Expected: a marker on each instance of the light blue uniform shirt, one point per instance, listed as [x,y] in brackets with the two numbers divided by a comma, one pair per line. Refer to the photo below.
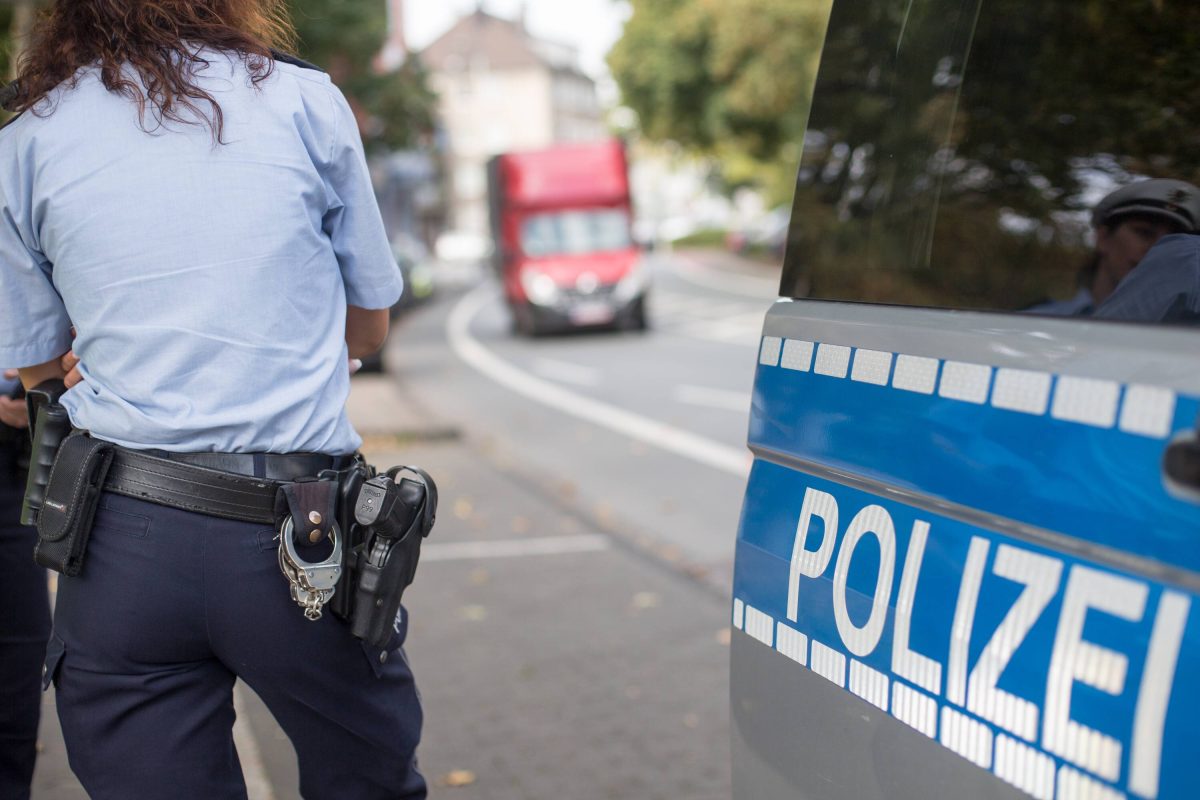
[207,283]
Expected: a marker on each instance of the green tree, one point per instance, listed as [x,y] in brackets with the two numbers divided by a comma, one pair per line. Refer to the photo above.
[396,109]
[726,78]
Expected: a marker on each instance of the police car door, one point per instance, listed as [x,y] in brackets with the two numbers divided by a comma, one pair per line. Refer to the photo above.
[968,565]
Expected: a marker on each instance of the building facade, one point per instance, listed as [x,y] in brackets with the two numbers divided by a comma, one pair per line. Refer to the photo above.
[501,89]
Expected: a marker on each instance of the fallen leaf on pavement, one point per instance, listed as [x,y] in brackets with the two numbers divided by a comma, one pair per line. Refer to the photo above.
[643,600]
[473,613]
[458,778]
[463,508]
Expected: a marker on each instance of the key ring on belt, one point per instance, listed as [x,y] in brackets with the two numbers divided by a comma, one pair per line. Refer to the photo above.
[313,583]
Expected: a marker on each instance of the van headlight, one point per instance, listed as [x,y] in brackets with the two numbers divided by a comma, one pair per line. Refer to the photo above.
[539,287]
[635,282]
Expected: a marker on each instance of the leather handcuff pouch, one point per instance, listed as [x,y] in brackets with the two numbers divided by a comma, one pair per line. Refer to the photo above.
[69,507]
[311,504]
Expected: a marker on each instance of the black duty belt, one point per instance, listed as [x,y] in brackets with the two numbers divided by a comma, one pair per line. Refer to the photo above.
[239,486]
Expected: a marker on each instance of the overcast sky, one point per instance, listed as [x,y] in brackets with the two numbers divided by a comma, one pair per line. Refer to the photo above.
[590,25]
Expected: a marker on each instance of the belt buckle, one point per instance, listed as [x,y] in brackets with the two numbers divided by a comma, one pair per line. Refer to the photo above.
[312,583]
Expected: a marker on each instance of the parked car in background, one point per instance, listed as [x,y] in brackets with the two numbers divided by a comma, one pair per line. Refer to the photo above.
[561,222]
[766,235]
[418,268]
[968,563]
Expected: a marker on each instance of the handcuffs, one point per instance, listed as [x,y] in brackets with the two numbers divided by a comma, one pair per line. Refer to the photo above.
[312,583]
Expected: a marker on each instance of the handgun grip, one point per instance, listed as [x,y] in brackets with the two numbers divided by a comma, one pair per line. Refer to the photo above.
[50,428]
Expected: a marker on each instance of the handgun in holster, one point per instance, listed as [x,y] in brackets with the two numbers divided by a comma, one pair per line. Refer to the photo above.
[49,425]
[350,481]
[393,514]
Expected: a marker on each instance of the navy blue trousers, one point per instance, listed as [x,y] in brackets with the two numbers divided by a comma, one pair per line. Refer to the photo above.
[24,628]
[170,608]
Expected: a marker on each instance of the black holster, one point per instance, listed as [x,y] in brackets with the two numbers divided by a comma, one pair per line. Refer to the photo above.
[392,515]
[49,425]
[68,506]
[350,481]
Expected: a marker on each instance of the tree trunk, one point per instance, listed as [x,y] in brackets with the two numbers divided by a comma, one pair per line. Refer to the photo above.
[22,23]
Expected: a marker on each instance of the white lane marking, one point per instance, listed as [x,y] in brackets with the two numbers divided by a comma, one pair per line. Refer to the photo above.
[713,398]
[693,271]
[258,787]
[691,306]
[744,330]
[707,318]
[733,460]
[566,372]
[514,548]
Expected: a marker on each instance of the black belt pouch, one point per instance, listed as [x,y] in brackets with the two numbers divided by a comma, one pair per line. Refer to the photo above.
[65,521]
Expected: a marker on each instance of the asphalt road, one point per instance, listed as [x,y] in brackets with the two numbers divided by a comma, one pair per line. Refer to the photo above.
[647,429]
[570,621]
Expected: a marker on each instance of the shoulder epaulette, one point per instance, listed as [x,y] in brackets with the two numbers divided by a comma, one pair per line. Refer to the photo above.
[288,58]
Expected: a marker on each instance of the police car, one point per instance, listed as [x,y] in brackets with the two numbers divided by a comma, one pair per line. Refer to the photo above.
[968,562]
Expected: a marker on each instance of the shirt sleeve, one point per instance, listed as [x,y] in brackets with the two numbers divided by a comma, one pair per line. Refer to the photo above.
[34,326]
[353,222]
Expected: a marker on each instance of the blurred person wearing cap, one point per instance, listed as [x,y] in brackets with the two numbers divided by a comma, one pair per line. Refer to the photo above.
[1128,223]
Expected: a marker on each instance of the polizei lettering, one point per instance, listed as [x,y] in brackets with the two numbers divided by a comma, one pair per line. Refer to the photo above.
[999,592]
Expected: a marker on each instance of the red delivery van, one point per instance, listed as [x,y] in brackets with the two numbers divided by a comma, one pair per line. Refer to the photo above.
[561,221]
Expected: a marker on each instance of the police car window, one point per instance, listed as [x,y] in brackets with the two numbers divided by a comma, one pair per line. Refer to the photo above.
[998,154]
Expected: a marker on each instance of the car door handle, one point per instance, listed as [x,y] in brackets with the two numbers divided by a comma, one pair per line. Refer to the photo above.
[1181,465]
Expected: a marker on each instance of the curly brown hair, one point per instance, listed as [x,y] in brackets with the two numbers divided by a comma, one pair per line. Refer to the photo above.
[161,40]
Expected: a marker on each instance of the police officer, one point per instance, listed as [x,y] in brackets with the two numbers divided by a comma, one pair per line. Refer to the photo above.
[1127,223]
[25,620]
[199,208]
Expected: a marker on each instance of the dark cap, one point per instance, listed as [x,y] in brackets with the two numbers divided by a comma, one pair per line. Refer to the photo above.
[1177,202]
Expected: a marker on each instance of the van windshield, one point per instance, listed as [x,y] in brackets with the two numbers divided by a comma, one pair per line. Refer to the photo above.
[568,233]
